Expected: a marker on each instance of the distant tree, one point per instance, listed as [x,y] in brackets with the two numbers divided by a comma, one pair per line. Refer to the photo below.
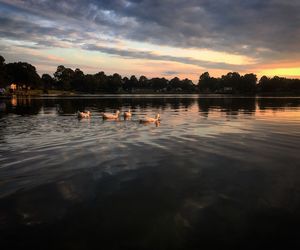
[126,84]
[130,84]
[64,76]
[208,84]
[231,80]
[204,83]
[158,83]
[23,73]
[143,82]
[48,82]
[294,86]
[204,78]
[248,84]
[2,60]
[59,72]
[187,85]
[114,83]
[78,81]
[101,80]
[174,83]
[90,84]
[3,75]
[278,84]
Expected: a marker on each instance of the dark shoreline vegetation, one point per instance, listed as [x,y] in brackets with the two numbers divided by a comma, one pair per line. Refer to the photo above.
[66,81]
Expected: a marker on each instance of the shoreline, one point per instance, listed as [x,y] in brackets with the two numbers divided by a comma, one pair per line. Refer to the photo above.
[94,96]
[70,94]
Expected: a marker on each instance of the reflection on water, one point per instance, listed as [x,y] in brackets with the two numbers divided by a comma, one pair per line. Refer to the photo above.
[217,172]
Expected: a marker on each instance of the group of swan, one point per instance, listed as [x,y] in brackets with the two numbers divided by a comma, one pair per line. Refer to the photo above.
[115,116]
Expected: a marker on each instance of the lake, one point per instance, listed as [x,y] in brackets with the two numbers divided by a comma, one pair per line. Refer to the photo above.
[216,172]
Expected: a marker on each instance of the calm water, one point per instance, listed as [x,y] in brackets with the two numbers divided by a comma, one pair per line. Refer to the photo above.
[216,172]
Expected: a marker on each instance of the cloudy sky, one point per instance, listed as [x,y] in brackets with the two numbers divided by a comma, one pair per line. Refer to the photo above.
[154,37]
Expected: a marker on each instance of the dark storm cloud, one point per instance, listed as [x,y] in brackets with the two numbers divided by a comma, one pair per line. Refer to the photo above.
[265,30]
[243,26]
[24,30]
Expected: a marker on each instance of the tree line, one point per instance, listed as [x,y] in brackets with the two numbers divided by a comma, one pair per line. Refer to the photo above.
[235,83]
[67,79]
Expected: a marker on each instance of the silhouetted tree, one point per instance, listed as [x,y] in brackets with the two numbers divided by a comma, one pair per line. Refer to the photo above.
[3,75]
[159,83]
[77,81]
[101,80]
[231,80]
[90,84]
[175,83]
[278,84]
[23,73]
[130,84]
[248,84]
[187,85]
[114,83]
[64,76]
[126,84]
[2,60]
[134,81]
[143,82]
[208,84]
[48,82]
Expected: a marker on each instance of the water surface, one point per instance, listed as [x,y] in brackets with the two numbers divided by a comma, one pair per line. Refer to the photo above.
[216,172]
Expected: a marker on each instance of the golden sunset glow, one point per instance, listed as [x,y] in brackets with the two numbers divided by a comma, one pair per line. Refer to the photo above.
[288,72]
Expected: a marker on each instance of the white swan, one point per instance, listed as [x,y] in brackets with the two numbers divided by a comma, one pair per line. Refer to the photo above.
[127,114]
[150,119]
[110,116]
[84,114]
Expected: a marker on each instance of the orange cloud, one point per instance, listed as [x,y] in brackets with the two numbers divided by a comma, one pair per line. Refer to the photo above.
[55,58]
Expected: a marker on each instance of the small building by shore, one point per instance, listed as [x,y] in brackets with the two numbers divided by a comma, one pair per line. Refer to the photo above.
[13,87]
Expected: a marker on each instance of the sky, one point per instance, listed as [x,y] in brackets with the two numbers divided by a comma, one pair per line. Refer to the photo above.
[155,38]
